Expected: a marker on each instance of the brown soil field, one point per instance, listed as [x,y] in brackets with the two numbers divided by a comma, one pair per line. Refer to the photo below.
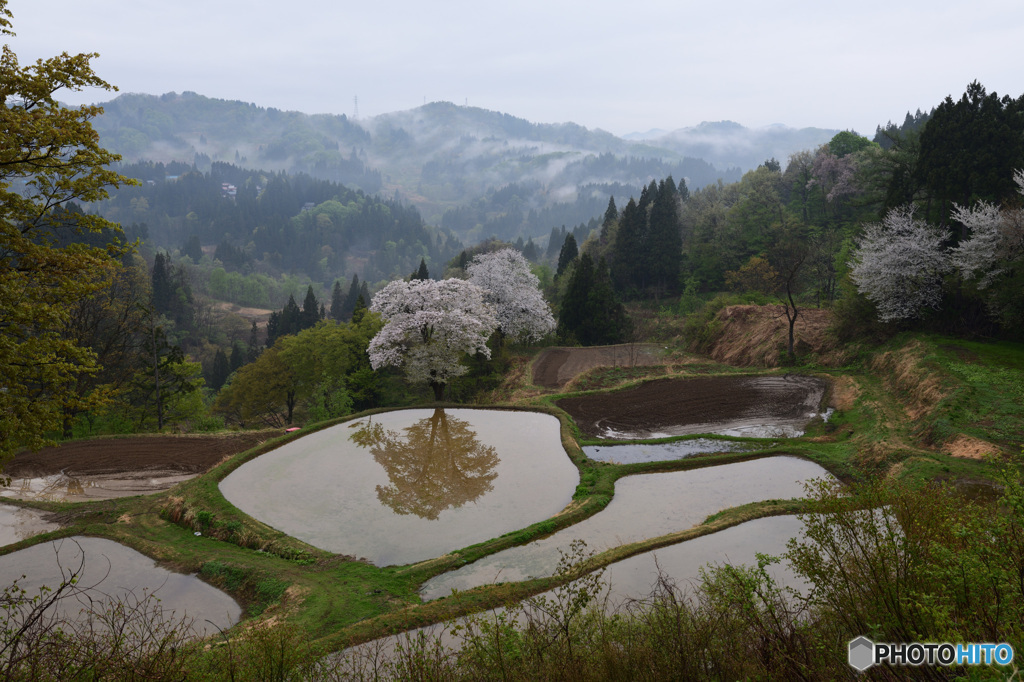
[555,366]
[672,405]
[104,456]
[257,314]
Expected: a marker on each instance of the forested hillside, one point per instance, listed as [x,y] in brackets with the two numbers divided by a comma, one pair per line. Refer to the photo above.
[252,224]
[483,173]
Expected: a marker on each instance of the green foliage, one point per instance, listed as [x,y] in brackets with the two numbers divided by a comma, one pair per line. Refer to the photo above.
[969,151]
[589,312]
[50,256]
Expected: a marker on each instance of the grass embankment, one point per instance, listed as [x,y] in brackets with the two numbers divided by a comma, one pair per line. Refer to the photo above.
[902,413]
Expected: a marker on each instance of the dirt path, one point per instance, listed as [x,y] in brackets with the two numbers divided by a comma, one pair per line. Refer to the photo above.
[555,366]
[105,456]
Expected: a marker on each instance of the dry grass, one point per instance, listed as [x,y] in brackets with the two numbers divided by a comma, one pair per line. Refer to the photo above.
[845,392]
[967,447]
[752,335]
[920,388]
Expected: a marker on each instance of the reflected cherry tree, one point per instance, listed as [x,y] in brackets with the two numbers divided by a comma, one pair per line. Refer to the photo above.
[435,464]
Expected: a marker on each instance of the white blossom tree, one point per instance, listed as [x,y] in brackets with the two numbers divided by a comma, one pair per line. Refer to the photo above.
[978,255]
[428,327]
[512,290]
[996,239]
[899,263]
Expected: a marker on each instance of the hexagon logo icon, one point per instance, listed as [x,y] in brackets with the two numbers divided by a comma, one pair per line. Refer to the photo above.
[862,653]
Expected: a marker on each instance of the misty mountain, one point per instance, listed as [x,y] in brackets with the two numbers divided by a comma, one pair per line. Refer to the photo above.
[483,172]
[728,144]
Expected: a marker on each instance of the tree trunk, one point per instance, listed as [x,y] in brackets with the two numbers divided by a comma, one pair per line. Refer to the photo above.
[438,390]
[792,323]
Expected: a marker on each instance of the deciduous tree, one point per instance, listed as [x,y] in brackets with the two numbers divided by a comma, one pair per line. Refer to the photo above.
[898,264]
[49,157]
[428,327]
[511,290]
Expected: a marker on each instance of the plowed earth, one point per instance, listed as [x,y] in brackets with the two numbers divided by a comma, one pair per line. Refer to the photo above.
[697,405]
[107,456]
[554,367]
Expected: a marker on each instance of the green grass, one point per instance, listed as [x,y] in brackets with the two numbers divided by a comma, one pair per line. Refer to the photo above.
[338,600]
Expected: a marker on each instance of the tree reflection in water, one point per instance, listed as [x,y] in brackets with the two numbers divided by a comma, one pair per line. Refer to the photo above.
[436,464]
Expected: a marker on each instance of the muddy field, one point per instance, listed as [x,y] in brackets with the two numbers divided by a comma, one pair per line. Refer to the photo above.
[554,367]
[107,456]
[726,405]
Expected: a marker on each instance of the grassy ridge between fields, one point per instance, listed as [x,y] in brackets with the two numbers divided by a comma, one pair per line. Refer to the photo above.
[887,428]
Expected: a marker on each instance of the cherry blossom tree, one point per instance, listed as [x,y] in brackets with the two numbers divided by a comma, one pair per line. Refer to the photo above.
[428,327]
[996,238]
[511,289]
[899,263]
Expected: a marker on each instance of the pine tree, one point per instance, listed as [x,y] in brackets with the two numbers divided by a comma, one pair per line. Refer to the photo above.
[590,313]
[337,302]
[628,255]
[422,272]
[360,309]
[611,214]
[254,349]
[193,249]
[606,319]
[572,311]
[310,310]
[162,286]
[237,358]
[664,247]
[220,371]
[350,300]
[555,242]
[567,255]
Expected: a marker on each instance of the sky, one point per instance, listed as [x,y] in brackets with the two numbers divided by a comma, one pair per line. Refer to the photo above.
[621,67]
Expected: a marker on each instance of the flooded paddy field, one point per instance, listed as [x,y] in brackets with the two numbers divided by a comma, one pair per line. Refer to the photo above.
[661,452]
[113,572]
[104,468]
[409,485]
[19,523]
[756,406]
[645,506]
[628,581]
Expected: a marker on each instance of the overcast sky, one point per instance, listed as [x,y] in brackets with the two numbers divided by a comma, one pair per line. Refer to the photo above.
[617,66]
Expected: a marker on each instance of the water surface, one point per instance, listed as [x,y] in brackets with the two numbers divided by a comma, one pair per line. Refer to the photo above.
[18,523]
[64,488]
[645,506]
[661,452]
[629,580]
[111,571]
[409,485]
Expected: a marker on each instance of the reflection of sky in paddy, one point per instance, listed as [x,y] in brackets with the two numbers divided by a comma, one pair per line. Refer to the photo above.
[63,488]
[112,571]
[18,523]
[645,506]
[660,452]
[410,485]
[635,577]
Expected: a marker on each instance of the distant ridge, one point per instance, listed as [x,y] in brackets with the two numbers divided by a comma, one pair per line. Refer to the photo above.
[442,157]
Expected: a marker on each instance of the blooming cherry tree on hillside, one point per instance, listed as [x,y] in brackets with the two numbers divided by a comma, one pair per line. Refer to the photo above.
[428,326]
[996,242]
[511,289]
[899,264]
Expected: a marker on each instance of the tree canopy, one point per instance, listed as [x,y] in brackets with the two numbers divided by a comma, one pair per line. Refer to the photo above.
[511,290]
[428,327]
[49,157]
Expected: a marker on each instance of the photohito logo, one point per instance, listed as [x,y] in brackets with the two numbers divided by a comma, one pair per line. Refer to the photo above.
[864,653]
